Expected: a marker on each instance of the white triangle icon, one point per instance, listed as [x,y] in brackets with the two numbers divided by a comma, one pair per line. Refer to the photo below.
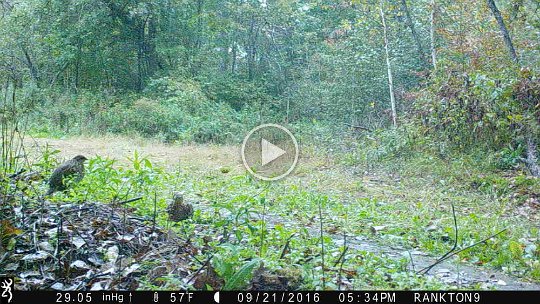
[270,151]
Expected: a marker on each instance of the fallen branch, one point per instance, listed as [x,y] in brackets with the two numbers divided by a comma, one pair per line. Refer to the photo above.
[463,249]
[17,174]
[286,247]
[427,269]
[200,269]
[358,127]
[129,201]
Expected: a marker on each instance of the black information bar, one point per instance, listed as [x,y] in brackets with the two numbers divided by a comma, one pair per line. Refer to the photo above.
[246,297]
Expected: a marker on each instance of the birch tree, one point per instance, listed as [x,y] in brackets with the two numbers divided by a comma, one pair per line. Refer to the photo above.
[432,34]
[388,65]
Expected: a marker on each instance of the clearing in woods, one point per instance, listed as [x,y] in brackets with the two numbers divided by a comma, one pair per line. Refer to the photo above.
[323,174]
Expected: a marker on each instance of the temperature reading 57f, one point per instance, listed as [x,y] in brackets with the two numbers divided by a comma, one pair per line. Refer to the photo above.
[181,297]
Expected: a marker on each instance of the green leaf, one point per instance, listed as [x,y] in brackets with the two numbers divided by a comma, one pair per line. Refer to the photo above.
[239,279]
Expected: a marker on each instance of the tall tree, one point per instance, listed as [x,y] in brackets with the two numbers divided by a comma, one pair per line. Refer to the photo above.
[411,26]
[388,65]
[503,29]
[432,34]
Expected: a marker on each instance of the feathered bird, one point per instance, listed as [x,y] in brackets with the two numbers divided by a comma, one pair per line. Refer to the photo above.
[71,169]
[178,210]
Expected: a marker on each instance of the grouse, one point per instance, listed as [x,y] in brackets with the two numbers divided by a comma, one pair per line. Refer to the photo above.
[178,210]
[72,169]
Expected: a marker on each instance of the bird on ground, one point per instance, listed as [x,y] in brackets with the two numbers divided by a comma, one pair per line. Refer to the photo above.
[178,210]
[72,169]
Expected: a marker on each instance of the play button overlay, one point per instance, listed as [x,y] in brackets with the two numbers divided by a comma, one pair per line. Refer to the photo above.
[269,152]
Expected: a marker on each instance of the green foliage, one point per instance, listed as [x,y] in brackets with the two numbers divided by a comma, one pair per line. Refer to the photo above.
[239,279]
[482,110]
[238,94]
[170,110]
[510,157]
[148,118]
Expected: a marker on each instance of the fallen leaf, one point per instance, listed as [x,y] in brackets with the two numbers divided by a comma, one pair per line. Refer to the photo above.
[38,256]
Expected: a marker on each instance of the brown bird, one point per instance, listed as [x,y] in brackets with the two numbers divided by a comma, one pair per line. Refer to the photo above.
[178,210]
[72,169]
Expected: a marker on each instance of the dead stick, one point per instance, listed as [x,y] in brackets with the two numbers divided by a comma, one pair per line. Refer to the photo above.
[468,247]
[200,269]
[155,213]
[427,269]
[286,247]
[341,256]
[358,127]
[129,201]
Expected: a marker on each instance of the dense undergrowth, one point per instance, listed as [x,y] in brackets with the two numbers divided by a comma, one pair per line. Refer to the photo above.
[238,221]
[170,109]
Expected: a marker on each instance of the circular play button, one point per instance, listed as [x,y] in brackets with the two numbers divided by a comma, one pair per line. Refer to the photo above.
[270,152]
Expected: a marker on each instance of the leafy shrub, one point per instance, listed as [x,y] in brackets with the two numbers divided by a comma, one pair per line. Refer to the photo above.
[170,109]
[509,157]
[386,144]
[238,93]
[493,110]
[148,118]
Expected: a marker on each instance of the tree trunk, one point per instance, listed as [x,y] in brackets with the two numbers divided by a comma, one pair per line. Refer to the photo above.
[532,160]
[198,42]
[503,29]
[150,50]
[389,67]
[251,47]
[33,70]
[140,56]
[410,24]
[78,63]
[432,34]
[233,55]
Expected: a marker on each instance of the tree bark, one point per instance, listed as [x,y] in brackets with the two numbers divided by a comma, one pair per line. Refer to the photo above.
[410,24]
[78,63]
[233,55]
[251,47]
[532,160]
[198,42]
[388,65]
[33,70]
[503,29]
[140,56]
[432,34]
[151,53]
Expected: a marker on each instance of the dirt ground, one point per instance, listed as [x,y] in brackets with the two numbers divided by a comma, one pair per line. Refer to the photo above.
[200,157]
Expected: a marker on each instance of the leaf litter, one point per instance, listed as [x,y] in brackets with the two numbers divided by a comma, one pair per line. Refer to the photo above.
[93,246]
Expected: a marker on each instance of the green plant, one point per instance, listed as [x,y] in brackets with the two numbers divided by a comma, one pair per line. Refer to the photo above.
[510,157]
[238,280]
